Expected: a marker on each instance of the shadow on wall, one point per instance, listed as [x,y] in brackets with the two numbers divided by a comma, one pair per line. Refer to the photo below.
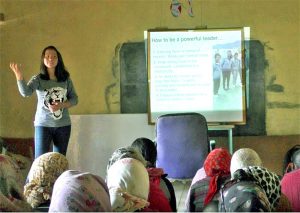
[112,91]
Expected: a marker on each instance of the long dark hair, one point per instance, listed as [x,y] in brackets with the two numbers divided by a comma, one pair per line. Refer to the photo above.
[148,150]
[60,71]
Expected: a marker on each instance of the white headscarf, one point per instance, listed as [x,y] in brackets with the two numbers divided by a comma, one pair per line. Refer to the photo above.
[128,184]
[243,158]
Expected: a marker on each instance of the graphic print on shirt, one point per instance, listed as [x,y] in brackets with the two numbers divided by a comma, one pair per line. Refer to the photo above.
[52,95]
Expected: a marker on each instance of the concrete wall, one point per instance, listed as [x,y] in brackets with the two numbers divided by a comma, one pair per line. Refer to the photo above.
[88,32]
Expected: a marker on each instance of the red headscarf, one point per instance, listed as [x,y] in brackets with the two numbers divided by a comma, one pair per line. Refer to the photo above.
[216,164]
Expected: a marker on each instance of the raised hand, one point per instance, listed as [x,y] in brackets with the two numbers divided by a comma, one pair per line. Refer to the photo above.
[16,69]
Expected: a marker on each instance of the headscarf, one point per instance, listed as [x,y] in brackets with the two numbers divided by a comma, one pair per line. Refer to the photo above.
[243,196]
[11,189]
[42,175]
[216,164]
[244,157]
[269,181]
[128,184]
[126,152]
[75,191]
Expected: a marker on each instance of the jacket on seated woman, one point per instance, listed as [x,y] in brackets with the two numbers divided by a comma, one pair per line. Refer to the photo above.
[205,191]
[148,149]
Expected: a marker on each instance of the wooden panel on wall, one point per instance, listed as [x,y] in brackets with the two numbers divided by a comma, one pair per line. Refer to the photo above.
[133,73]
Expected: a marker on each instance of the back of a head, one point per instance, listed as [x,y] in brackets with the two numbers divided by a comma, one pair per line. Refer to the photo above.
[216,166]
[243,196]
[243,158]
[291,159]
[76,191]
[267,180]
[217,162]
[42,175]
[296,159]
[148,149]
[128,183]
[125,152]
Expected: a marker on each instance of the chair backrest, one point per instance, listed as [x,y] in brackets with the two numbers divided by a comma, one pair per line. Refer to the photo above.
[182,144]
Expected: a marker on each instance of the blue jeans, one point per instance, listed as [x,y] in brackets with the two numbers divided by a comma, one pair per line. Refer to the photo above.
[44,136]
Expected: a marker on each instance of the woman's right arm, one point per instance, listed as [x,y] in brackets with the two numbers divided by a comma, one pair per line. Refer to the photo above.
[24,89]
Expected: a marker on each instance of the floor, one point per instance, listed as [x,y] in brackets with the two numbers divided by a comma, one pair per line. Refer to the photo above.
[181,190]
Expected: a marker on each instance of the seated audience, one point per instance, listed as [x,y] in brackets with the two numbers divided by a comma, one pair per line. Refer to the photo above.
[290,186]
[200,174]
[269,182]
[291,159]
[204,191]
[128,184]
[11,189]
[75,191]
[158,200]
[243,158]
[148,149]
[243,194]
[42,175]
[125,152]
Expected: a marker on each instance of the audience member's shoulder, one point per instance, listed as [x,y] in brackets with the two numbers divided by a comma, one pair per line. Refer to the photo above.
[292,174]
[204,181]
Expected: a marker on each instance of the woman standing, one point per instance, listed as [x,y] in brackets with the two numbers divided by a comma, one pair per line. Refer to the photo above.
[55,93]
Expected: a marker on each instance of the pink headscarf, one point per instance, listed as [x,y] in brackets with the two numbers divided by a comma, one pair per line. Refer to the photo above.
[75,191]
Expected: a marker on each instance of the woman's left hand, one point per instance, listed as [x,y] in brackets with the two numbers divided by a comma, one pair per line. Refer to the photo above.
[53,107]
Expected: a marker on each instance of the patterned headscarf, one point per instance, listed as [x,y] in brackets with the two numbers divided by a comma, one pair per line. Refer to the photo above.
[216,164]
[269,181]
[128,184]
[42,175]
[243,196]
[244,157]
[11,189]
[75,191]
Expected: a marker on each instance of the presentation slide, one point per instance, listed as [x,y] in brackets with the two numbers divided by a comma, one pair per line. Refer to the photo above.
[196,71]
